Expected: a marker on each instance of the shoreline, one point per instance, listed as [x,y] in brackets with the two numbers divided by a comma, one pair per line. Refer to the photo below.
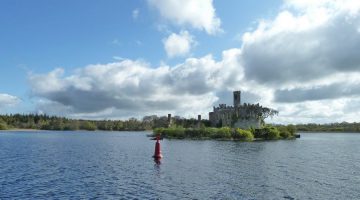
[22,130]
[150,135]
[40,130]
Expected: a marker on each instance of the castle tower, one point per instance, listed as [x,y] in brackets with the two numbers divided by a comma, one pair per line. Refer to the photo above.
[169,121]
[237,99]
[199,121]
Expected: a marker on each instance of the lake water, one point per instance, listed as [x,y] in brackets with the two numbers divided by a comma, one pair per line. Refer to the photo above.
[118,165]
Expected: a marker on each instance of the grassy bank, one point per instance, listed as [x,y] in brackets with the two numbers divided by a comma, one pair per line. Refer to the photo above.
[225,133]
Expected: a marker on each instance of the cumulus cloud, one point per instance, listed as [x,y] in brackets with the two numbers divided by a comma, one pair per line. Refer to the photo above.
[333,91]
[199,14]
[178,44]
[306,5]
[305,41]
[323,111]
[306,58]
[134,88]
[8,100]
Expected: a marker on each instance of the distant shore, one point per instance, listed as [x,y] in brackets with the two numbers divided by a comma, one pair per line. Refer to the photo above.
[36,130]
[35,122]
[22,130]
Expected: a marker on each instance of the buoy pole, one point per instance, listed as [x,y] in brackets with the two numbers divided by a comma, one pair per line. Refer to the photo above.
[157,153]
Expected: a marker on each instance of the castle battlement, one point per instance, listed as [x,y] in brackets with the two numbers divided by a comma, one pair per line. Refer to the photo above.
[239,115]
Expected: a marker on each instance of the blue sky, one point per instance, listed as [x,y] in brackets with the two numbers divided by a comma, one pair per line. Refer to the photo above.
[38,36]
[56,43]
[43,35]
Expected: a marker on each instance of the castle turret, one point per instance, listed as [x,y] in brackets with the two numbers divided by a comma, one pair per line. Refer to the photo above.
[199,121]
[237,99]
[169,121]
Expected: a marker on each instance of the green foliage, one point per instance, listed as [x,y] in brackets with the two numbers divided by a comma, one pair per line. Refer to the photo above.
[158,131]
[105,125]
[192,133]
[71,125]
[45,122]
[3,125]
[268,133]
[272,133]
[243,135]
[209,132]
[332,127]
[175,132]
[224,132]
[89,126]
[252,130]
[291,128]
[203,133]
[286,131]
[186,123]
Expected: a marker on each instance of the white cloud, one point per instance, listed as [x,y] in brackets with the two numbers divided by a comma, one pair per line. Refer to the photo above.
[323,111]
[306,59]
[50,82]
[133,88]
[135,13]
[303,45]
[8,100]
[199,14]
[319,92]
[178,44]
[331,5]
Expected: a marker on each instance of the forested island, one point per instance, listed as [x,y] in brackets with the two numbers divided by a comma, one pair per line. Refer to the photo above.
[45,122]
[267,132]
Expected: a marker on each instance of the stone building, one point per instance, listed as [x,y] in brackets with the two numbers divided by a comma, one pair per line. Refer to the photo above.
[239,115]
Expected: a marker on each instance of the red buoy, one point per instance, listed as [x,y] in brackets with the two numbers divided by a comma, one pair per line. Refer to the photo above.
[157,154]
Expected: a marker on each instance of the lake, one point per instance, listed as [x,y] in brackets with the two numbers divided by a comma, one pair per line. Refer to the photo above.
[118,165]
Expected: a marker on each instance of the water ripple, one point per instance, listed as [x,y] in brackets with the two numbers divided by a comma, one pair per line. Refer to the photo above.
[103,165]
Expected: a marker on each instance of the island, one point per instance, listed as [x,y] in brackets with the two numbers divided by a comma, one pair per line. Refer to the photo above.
[267,132]
[244,122]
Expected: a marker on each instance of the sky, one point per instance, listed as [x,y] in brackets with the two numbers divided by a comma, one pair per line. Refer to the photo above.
[119,59]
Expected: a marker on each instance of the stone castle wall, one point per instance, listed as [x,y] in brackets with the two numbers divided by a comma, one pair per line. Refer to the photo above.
[238,116]
[246,124]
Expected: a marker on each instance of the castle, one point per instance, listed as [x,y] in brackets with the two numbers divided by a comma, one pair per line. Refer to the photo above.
[239,116]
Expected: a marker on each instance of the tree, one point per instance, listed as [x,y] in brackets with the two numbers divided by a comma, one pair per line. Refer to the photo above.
[161,122]
[243,135]
[3,125]
[224,132]
[271,133]
[87,125]
[119,126]
[71,125]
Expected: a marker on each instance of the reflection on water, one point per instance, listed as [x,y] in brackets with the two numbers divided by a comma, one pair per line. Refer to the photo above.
[157,162]
[119,165]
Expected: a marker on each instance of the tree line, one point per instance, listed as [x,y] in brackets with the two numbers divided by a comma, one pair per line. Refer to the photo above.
[330,127]
[46,122]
